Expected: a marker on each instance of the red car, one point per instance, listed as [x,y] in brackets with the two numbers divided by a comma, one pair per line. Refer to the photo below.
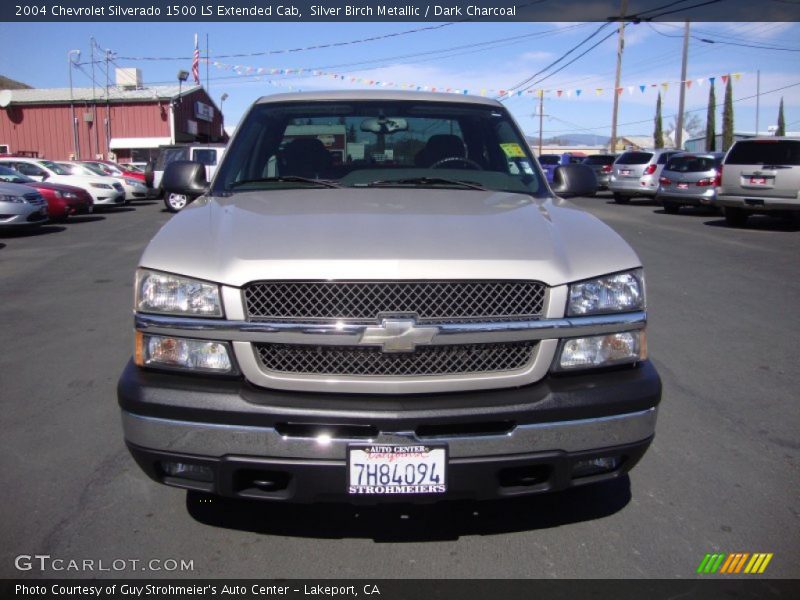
[114,170]
[62,200]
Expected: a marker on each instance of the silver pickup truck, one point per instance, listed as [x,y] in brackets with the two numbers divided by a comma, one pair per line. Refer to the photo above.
[379,297]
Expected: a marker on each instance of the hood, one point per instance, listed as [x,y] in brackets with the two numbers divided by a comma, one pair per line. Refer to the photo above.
[56,187]
[387,233]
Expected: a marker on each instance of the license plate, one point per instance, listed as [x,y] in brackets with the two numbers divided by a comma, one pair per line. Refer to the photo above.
[380,470]
[758,180]
[683,186]
[625,172]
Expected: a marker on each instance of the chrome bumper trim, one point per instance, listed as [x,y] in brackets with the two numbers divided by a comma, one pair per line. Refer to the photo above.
[214,440]
[344,334]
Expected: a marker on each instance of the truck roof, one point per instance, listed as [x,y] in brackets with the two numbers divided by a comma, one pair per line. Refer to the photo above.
[378,95]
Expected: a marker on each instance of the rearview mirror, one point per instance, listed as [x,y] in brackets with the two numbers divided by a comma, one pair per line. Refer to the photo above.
[384,125]
[185,177]
[574,180]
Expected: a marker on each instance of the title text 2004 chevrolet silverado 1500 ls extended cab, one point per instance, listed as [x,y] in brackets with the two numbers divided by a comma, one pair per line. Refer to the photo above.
[380,297]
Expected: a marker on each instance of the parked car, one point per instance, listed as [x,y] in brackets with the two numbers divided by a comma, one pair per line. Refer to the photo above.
[549,162]
[601,164]
[636,173]
[62,200]
[112,169]
[760,175]
[444,326]
[21,207]
[208,155]
[688,180]
[133,188]
[105,191]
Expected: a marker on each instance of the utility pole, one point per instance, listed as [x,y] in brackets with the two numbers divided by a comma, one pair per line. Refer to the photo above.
[94,106]
[620,48]
[108,108]
[75,145]
[541,116]
[682,97]
[758,96]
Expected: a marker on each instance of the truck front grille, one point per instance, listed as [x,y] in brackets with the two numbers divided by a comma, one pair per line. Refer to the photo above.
[365,361]
[366,301]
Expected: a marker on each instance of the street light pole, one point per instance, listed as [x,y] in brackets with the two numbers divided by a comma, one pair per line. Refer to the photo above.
[222,115]
[75,144]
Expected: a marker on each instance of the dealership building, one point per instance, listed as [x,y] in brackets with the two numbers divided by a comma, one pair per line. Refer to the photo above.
[126,122]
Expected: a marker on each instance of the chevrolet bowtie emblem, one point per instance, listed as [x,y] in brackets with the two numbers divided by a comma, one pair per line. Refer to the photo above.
[397,335]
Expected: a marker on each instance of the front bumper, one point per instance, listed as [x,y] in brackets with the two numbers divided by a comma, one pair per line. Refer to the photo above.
[500,442]
[109,198]
[24,216]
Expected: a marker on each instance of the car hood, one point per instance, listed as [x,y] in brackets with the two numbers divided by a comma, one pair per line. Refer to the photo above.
[386,234]
[58,187]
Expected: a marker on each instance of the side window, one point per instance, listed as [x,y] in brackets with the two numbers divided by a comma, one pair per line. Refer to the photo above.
[206,156]
[30,170]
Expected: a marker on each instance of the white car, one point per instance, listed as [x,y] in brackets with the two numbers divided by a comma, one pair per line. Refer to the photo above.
[105,191]
[134,189]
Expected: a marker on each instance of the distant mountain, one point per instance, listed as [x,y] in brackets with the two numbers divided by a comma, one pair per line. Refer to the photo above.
[10,84]
[571,139]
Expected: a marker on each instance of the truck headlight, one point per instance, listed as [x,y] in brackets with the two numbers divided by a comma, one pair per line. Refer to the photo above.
[182,353]
[602,351]
[620,292]
[175,295]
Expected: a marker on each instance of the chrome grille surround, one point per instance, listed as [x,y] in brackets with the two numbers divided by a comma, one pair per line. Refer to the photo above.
[366,301]
[464,359]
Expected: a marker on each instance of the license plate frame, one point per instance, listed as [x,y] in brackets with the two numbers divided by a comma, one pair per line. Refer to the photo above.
[683,186]
[625,172]
[395,479]
[758,180]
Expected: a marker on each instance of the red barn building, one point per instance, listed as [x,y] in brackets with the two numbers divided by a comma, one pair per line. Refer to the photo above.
[126,124]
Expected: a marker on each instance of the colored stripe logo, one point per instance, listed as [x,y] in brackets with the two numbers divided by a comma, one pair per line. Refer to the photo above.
[735,563]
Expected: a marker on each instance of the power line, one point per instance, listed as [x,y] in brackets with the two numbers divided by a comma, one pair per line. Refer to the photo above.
[711,41]
[650,120]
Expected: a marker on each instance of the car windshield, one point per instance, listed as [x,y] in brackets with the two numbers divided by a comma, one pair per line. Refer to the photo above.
[634,158]
[599,159]
[690,164]
[56,168]
[12,176]
[765,152]
[549,159]
[378,143]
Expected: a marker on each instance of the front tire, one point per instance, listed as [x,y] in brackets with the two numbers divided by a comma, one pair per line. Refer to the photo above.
[175,202]
[735,217]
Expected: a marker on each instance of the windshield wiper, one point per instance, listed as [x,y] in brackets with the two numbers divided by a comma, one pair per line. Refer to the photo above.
[286,179]
[423,181]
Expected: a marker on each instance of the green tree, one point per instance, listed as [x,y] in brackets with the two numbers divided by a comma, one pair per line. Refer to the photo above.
[658,134]
[711,121]
[727,117]
[781,121]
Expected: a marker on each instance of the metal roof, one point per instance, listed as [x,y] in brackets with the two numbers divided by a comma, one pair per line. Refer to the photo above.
[115,94]
[344,95]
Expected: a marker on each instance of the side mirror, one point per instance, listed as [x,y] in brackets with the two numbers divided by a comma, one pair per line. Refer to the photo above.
[185,177]
[574,180]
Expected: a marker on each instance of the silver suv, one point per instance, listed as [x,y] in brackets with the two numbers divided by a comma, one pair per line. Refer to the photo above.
[636,173]
[379,297]
[760,175]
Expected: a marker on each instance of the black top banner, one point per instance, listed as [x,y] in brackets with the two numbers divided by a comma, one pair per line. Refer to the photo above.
[401,11]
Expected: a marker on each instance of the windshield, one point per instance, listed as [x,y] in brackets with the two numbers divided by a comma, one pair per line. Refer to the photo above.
[765,152]
[599,159]
[12,176]
[691,164]
[378,143]
[549,159]
[56,168]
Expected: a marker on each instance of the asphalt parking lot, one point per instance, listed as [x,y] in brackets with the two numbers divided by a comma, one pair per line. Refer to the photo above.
[722,475]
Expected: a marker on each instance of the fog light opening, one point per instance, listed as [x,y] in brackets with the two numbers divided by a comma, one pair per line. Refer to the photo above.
[595,466]
[181,470]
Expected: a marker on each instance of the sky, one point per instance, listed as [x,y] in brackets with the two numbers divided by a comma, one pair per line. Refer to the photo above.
[471,56]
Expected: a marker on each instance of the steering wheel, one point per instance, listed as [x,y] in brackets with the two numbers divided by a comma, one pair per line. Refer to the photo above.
[462,159]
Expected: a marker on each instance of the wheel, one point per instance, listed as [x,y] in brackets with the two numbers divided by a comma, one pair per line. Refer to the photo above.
[671,208]
[735,217]
[175,202]
[620,199]
[457,159]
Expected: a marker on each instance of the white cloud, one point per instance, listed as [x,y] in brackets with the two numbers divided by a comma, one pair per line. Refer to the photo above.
[536,56]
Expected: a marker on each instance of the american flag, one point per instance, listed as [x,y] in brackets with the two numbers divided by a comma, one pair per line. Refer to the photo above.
[196,62]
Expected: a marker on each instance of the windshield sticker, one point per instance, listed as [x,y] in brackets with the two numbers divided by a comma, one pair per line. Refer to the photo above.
[513,150]
[526,166]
